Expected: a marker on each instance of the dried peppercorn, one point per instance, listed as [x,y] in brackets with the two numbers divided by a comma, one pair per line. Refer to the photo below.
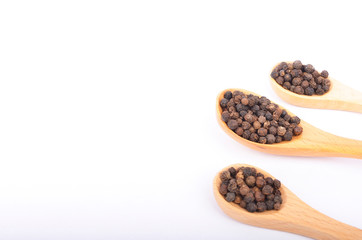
[223,188]
[225,176]
[230,197]
[232,124]
[232,187]
[302,79]
[250,189]
[250,181]
[251,207]
[228,95]
[267,189]
[261,206]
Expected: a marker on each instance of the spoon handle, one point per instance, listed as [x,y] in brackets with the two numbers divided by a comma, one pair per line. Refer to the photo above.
[345,98]
[344,147]
[311,223]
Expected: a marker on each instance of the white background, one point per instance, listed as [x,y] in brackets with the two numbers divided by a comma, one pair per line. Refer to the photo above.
[107,113]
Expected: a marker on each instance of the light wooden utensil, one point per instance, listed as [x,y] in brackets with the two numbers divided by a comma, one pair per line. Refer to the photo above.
[339,97]
[312,142]
[294,216]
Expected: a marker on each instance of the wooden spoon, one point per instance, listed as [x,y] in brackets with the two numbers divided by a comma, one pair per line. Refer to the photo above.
[312,142]
[339,97]
[294,216]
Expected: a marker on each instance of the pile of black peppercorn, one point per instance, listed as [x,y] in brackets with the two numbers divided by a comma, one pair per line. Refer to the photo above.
[251,190]
[301,79]
[258,119]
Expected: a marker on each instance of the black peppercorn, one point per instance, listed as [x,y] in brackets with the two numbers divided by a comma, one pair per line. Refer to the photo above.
[260,182]
[223,188]
[250,181]
[269,181]
[270,139]
[269,205]
[244,190]
[262,132]
[223,102]
[267,189]
[288,136]
[324,74]
[230,197]
[261,206]
[249,197]
[233,124]
[276,184]
[251,207]
[225,176]
[228,95]
[225,116]
[297,64]
[259,196]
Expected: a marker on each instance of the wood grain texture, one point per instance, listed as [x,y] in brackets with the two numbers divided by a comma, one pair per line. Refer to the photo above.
[312,142]
[339,97]
[294,216]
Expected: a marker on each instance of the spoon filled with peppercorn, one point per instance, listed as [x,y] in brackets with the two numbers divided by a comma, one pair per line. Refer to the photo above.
[252,196]
[265,126]
[303,86]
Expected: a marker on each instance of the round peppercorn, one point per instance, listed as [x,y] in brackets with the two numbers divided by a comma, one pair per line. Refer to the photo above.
[225,176]
[230,197]
[281,131]
[297,131]
[249,197]
[239,175]
[295,119]
[324,74]
[244,190]
[244,101]
[260,182]
[287,78]
[225,116]
[250,181]
[276,184]
[243,204]
[309,91]
[278,199]
[224,102]
[288,136]
[296,81]
[232,171]
[240,182]
[233,124]
[261,206]
[269,205]
[245,125]
[223,189]
[269,181]
[267,189]
[262,132]
[278,139]
[309,68]
[251,207]
[305,84]
[239,131]
[297,64]
[270,139]
[262,140]
[228,95]
[254,137]
[237,199]
[259,196]
[277,206]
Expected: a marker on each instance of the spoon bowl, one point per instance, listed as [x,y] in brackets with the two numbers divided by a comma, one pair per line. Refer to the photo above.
[339,97]
[312,142]
[294,216]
